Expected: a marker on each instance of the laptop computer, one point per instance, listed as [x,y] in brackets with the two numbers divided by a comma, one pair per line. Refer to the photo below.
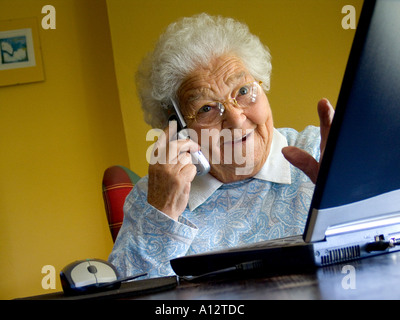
[355,210]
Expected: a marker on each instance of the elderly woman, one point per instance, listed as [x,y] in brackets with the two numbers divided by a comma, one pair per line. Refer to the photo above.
[219,74]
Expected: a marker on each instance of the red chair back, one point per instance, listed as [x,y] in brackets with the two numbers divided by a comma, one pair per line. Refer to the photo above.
[118,181]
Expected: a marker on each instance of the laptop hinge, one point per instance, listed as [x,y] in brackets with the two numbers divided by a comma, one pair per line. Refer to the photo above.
[379,207]
[371,223]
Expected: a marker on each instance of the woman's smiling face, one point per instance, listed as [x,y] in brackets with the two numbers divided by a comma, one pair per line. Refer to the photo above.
[238,146]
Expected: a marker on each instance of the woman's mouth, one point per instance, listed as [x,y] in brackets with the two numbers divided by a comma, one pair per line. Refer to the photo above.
[240,139]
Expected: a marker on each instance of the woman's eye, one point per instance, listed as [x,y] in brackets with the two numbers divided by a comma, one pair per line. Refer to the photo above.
[204,109]
[243,91]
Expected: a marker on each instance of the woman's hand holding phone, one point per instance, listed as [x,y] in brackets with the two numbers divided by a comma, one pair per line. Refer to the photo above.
[169,183]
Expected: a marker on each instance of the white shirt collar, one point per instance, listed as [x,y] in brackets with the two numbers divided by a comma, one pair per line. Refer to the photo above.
[275,169]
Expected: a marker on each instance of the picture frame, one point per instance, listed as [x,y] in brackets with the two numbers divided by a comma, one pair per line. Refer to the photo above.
[20,52]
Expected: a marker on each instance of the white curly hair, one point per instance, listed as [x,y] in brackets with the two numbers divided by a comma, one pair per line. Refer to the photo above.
[186,45]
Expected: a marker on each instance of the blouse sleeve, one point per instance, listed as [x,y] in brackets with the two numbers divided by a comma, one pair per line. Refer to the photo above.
[149,239]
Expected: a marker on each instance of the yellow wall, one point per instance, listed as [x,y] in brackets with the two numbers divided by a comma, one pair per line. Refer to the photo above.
[308,44]
[56,139]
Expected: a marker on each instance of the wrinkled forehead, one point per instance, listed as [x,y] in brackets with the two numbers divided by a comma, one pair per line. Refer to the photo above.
[213,81]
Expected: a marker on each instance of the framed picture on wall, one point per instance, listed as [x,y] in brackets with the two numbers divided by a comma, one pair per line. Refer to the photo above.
[20,54]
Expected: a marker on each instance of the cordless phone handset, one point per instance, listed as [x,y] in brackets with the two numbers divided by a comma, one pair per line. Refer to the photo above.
[198,159]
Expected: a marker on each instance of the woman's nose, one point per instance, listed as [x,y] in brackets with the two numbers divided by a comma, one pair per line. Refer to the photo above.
[233,116]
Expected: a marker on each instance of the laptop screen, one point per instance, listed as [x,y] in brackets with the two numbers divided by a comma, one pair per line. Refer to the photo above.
[362,158]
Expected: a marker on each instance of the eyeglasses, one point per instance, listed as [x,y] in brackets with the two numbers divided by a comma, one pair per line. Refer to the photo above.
[211,113]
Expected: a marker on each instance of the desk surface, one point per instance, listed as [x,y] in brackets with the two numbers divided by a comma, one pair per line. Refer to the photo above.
[373,278]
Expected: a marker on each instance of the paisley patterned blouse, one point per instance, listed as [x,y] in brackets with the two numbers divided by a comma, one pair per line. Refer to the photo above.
[272,204]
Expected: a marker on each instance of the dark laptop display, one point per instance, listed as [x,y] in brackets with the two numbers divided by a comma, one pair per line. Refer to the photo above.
[355,210]
[362,155]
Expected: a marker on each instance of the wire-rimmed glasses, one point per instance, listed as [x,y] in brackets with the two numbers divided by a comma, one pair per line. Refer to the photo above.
[211,113]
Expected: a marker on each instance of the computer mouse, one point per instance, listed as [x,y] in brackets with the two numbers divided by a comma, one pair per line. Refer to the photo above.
[87,276]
